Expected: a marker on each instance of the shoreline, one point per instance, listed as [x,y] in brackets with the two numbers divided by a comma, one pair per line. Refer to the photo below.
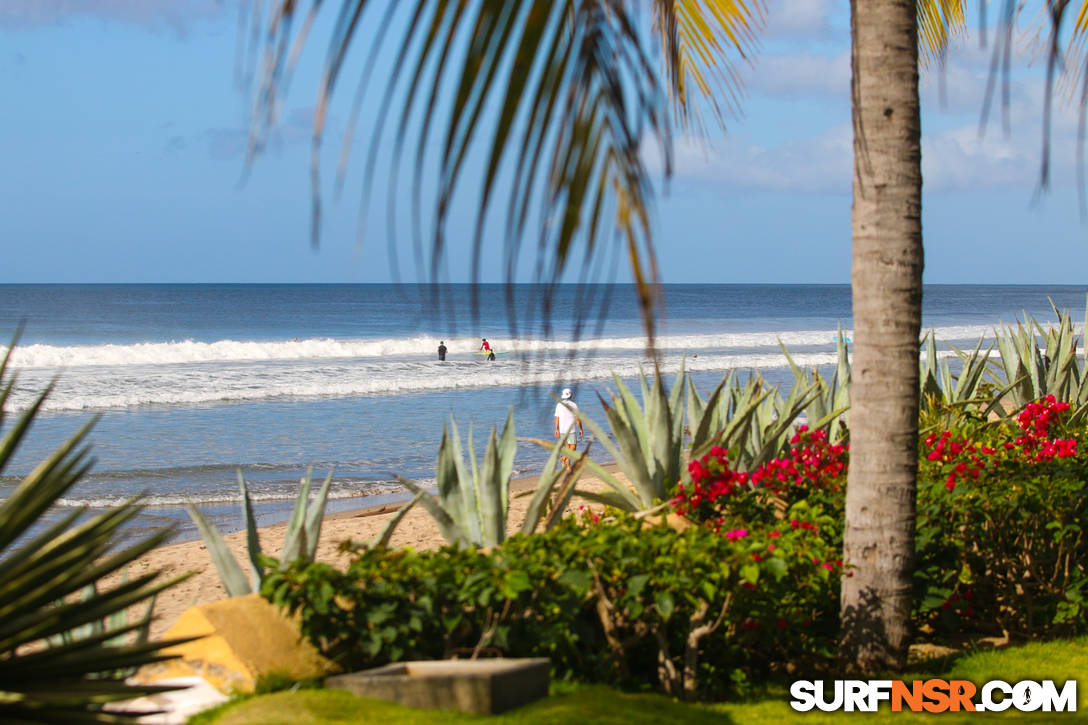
[417,530]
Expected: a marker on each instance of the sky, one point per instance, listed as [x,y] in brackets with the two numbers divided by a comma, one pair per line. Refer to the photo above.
[124,126]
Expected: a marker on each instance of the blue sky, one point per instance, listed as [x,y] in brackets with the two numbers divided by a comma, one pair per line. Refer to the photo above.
[123,130]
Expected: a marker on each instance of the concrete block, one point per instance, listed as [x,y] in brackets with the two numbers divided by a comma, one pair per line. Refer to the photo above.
[477,686]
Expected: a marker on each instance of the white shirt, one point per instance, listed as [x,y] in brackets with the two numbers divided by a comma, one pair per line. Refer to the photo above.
[565,415]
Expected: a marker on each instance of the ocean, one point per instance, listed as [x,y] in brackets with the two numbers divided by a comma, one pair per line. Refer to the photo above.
[195,382]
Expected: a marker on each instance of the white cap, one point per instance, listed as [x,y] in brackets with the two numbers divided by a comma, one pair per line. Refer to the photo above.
[566,394]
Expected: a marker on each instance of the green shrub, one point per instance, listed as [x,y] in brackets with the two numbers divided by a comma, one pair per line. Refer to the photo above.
[1001,514]
[1001,520]
[618,601]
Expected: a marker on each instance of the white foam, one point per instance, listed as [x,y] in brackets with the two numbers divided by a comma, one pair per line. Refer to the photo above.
[223,351]
[166,374]
[338,491]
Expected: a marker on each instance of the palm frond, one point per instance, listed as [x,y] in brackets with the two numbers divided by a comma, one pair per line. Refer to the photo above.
[939,22]
[65,643]
[560,95]
[697,39]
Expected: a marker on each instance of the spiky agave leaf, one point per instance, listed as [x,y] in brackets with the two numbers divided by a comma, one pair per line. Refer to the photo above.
[253,541]
[233,579]
[294,538]
[742,405]
[315,517]
[442,518]
[646,441]
[382,538]
[489,494]
[832,402]
[550,479]
[462,505]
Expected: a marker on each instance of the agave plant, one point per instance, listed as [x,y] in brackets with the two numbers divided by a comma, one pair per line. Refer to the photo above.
[299,540]
[752,421]
[726,415]
[65,644]
[829,408]
[648,443]
[1031,371]
[473,501]
[967,390]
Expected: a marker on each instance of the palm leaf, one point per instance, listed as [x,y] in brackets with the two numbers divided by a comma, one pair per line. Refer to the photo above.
[64,638]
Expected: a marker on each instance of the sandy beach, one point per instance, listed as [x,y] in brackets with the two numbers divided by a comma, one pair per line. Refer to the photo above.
[416,530]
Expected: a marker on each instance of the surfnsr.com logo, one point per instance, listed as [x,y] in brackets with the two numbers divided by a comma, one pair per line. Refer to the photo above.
[933,695]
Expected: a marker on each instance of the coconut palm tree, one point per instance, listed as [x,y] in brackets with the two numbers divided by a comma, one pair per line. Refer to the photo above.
[564,98]
[886,283]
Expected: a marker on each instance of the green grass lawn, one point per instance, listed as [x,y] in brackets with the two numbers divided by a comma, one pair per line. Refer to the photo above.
[1059,660]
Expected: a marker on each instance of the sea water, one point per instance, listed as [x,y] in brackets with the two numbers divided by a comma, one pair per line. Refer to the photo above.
[193,383]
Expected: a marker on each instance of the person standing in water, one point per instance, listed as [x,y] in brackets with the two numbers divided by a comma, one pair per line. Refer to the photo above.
[490,355]
[442,350]
[565,420]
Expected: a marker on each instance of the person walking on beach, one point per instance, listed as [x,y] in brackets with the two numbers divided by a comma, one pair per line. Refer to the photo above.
[565,420]
[442,350]
[485,345]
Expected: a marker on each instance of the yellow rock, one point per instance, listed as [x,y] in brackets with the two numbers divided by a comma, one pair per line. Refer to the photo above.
[241,639]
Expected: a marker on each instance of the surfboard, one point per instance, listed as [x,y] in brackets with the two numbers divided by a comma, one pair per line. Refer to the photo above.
[485,352]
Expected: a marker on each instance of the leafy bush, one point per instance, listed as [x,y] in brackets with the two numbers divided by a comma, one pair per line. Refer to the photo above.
[620,601]
[812,470]
[1001,521]
[1001,514]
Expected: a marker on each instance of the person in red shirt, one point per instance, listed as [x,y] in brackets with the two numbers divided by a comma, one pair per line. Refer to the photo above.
[485,345]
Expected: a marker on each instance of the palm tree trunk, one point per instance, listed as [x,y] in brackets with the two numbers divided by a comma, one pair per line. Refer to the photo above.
[887,299]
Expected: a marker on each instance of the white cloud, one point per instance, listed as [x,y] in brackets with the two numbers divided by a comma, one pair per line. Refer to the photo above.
[817,164]
[803,74]
[153,14]
[954,155]
[800,18]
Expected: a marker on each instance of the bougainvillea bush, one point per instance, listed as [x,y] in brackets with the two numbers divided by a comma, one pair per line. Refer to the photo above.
[811,470]
[619,601]
[1001,520]
[1001,514]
